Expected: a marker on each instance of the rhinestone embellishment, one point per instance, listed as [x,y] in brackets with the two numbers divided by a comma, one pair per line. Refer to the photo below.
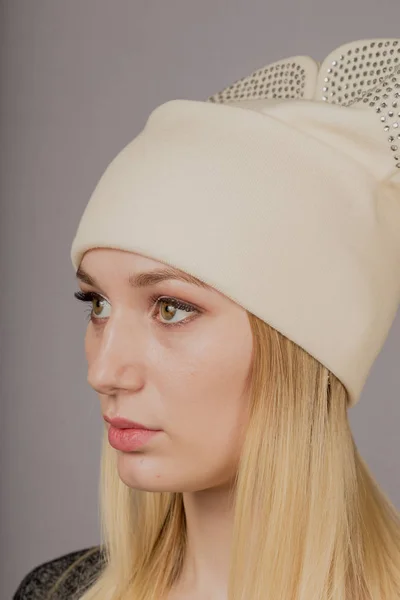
[368,72]
[282,79]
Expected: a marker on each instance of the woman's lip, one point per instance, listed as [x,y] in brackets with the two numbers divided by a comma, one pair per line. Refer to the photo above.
[122,423]
[128,440]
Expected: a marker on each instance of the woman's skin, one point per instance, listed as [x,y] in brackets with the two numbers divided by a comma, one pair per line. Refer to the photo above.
[188,381]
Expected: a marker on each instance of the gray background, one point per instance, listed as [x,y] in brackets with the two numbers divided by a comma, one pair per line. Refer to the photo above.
[78,80]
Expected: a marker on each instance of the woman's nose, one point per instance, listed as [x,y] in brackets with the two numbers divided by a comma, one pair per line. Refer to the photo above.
[116,356]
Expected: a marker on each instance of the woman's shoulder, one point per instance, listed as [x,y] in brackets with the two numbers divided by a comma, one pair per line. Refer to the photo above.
[61,578]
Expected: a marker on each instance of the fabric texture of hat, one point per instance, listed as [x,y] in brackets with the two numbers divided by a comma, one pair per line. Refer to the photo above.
[282,192]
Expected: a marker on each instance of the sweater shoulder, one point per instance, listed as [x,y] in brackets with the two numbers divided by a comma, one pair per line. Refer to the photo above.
[63,577]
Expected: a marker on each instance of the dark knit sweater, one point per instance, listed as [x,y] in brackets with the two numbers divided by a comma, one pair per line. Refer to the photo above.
[60,578]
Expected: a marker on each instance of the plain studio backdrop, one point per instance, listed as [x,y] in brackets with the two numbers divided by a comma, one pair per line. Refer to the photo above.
[77,82]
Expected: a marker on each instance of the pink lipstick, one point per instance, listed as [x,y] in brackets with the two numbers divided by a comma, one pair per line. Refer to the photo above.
[128,440]
[127,435]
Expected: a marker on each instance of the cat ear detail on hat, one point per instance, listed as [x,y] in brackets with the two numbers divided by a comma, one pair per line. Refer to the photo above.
[366,73]
[361,74]
[303,77]
[292,77]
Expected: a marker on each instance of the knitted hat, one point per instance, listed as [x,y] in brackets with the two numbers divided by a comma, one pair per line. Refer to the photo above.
[282,192]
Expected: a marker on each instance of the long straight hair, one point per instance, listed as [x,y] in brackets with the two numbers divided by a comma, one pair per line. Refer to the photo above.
[310,522]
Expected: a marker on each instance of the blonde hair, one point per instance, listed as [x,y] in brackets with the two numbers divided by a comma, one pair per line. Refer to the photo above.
[310,521]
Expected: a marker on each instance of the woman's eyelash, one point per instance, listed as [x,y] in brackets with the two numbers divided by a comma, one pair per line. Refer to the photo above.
[154,299]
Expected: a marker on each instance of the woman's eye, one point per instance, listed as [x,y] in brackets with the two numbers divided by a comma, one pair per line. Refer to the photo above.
[167,307]
[97,303]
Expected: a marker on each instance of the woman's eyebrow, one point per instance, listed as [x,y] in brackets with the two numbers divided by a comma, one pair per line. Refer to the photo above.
[148,278]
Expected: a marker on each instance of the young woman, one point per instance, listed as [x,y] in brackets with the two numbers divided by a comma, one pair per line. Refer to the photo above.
[241,258]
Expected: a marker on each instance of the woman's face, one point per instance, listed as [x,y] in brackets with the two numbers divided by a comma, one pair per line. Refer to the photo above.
[187,380]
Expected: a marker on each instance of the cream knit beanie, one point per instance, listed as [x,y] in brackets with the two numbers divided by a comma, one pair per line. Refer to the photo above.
[282,191]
